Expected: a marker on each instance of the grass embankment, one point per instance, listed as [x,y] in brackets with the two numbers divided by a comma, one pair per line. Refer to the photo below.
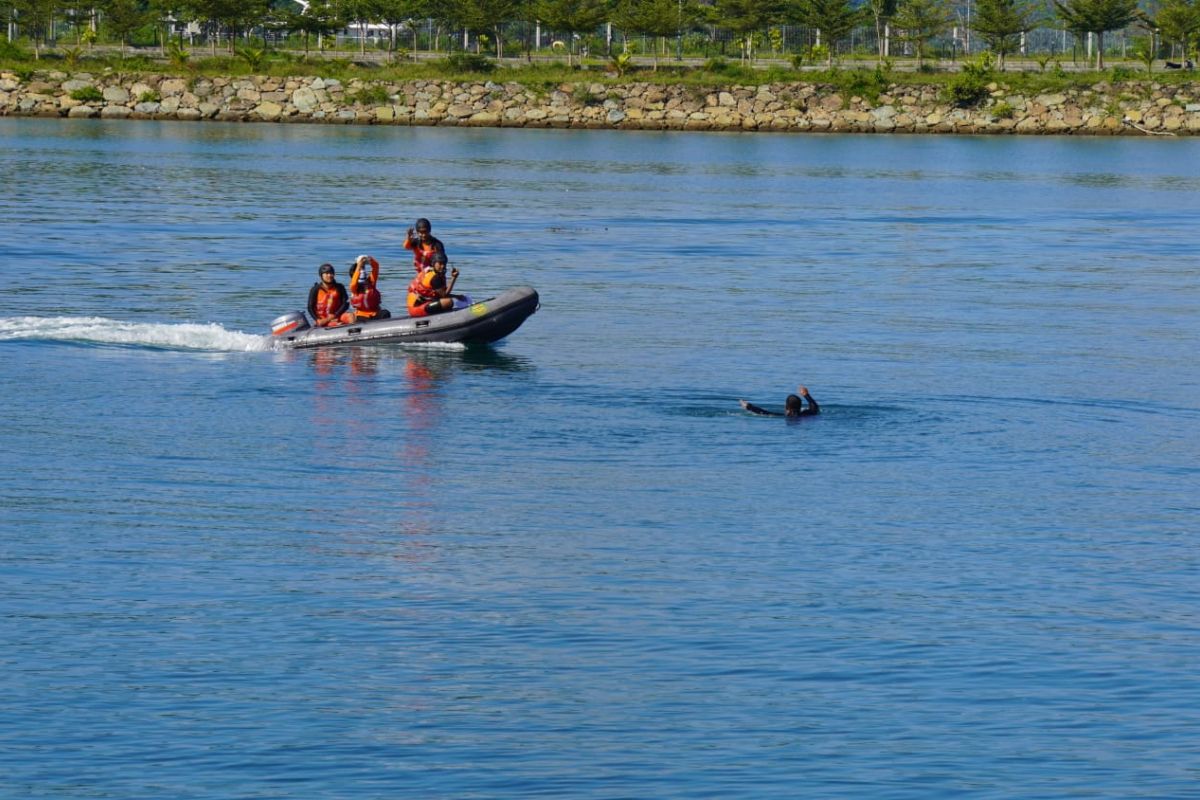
[860,77]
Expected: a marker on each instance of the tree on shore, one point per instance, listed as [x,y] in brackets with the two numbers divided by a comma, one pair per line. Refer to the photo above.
[919,21]
[654,18]
[35,18]
[359,13]
[834,19]
[80,13]
[743,18]
[1001,23]
[1098,17]
[484,17]
[234,16]
[395,13]
[1179,22]
[211,12]
[122,18]
[247,15]
[318,17]
[162,13]
[572,17]
[882,12]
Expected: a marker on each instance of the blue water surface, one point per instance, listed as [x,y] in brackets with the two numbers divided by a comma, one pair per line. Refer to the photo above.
[570,565]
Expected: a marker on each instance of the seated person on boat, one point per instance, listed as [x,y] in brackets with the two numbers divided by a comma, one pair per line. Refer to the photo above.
[428,293]
[328,301]
[364,296]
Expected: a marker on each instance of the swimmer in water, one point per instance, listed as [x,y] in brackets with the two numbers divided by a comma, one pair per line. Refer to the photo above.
[792,407]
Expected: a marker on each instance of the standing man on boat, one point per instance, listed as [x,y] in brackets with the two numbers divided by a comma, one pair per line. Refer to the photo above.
[364,296]
[423,244]
[428,293]
[328,302]
[792,407]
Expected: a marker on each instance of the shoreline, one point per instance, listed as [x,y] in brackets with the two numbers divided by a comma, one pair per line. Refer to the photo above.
[1136,108]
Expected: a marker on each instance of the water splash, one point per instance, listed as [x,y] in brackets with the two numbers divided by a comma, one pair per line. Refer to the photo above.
[209,337]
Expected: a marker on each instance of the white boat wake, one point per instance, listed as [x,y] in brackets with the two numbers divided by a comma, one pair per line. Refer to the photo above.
[98,330]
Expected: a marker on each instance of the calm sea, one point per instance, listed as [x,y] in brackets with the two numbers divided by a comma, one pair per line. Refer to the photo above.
[570,565]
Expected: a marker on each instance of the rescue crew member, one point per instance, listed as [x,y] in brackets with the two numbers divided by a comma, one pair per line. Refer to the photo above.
[328,303]
[364,297]
[428,293]
[792,407]
[423,244]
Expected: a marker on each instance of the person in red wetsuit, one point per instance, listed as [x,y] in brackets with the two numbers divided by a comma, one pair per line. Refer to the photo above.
[792,407]
[423,244]
[328,302]
[364,296]
[428,293]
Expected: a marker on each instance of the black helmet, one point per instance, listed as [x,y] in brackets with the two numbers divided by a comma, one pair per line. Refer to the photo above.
[324,268]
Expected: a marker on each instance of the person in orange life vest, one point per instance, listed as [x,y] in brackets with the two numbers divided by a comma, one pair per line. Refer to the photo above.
[364,297]
[328,303]
[423,244]
[428,293]
[792,407]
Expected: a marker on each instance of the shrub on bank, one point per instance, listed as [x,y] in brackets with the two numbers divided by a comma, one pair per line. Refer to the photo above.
[11,52]
[87,94]
[867,84]
[371,96]
[970,86]
[469,62]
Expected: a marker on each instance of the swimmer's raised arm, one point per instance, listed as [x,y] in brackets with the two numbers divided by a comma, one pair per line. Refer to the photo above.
[813,408]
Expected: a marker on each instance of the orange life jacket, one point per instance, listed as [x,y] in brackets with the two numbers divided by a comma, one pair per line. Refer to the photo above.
[421,289]
[423,253]
[328,301]
[366,303]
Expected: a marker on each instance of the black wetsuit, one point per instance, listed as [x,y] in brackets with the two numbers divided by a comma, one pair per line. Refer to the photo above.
[813,408]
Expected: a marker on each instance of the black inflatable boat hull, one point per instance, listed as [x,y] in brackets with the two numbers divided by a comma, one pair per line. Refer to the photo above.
[479,323]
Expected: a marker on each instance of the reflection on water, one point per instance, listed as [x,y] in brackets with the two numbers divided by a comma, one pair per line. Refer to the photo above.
[437,358]
[352,387]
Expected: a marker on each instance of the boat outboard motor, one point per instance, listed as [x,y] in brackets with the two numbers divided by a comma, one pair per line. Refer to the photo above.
[289,323]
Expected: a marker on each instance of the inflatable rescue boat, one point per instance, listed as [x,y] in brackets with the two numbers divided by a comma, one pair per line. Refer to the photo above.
[476,323]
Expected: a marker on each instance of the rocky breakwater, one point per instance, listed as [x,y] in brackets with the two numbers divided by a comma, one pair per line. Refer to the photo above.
[1103,109]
